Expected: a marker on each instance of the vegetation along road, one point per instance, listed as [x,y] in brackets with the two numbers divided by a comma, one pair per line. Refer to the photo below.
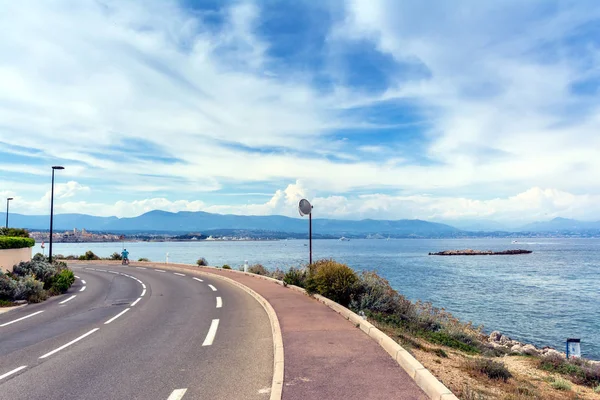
[136,333]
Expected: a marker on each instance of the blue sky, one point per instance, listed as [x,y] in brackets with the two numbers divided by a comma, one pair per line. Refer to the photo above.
[370,108]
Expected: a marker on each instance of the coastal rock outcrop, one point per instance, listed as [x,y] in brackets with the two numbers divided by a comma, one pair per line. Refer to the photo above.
[498,340]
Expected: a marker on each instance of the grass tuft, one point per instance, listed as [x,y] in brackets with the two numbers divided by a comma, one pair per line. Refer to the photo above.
[492,369]
[561,384]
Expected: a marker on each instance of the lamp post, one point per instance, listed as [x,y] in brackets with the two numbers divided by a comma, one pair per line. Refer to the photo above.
[7,200]
[52,210]
[305,208]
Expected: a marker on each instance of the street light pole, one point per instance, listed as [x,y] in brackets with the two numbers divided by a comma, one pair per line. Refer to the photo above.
[7,200]
[52,210]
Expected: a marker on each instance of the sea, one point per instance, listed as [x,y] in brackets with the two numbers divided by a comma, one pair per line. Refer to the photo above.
[541,298]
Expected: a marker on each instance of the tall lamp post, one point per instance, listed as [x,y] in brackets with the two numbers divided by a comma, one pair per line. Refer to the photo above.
[305,208]
[7,200]
[52,210]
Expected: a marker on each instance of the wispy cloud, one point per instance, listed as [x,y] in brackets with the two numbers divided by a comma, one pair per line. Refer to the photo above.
[152,100]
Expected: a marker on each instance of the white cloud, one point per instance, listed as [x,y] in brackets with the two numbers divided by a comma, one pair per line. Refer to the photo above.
[82,81]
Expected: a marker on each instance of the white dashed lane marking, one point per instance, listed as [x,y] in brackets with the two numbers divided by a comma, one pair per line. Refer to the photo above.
[70,343]
[14,371]
[212,332]
[22,318]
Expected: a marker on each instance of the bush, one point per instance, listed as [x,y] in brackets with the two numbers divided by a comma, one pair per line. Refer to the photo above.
[39,268]
[7,287]
[14,232]
[578,370]
[258,269]
[28,287]
[63,281]
[445,339]
[202,262]
[376,295]
[277,274]
[226,266]
[561,384]
[89,255]
[493,369]
[334,280]
[143,259]
[9,242]
[115,256]
[6,303]
[295,276]
[597,389]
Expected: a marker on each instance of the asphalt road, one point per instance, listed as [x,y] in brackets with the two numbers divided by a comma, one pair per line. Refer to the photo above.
[137,334]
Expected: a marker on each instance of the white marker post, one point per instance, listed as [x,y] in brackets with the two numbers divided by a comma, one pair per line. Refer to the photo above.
[245,265]
[167,258]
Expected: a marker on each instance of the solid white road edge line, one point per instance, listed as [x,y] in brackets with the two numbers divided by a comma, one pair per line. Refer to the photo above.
[14,371]
[70,343]
[212,332]
[177,273]
[177,394]
[198,279]
[135,302]
[143,293]
[213,288]
[22,318]
[82,289]
[116,316]
[219,302]
[70,298]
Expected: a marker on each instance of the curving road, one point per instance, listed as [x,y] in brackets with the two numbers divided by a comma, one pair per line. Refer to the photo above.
[134,333]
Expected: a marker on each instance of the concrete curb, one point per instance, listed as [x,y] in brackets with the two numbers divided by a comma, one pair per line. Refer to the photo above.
[278,357]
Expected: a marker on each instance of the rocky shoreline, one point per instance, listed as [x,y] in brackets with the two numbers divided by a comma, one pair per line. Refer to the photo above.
[470,252]
[497,340]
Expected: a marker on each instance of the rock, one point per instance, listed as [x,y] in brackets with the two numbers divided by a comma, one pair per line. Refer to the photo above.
[517,348]
[495,336]
[505,340]
[530,350]
[552,352]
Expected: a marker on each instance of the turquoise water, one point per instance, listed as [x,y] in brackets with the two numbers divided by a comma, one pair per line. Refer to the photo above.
[540,298]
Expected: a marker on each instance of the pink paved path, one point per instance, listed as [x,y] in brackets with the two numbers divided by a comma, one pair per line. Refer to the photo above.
[326,356]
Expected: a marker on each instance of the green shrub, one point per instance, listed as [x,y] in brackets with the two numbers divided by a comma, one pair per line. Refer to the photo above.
[63,281]
[597,389]
[376,295]
[295,276]
[333,280]
[38,297]
[89,255]
[580,371]
[225,266]
[14,232]
[201,262]
[561,384]
[143,259]
[258,269]
[39,268]
[28,287]
[7,287]
[9,242]
[445,339]
[6,303]
[115,256]
[492,369]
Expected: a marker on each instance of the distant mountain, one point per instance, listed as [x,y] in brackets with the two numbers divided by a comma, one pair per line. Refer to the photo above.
[185,221]
[481,225]
[561,225]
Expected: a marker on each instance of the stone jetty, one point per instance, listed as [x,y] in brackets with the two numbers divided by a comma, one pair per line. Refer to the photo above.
[470,252]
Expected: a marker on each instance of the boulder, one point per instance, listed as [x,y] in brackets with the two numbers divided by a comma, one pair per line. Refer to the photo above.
[517,348]
[505,340]
[530,350]
[552,352]
[495,336]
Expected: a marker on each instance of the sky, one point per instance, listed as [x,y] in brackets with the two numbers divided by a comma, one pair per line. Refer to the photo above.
[385,109]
